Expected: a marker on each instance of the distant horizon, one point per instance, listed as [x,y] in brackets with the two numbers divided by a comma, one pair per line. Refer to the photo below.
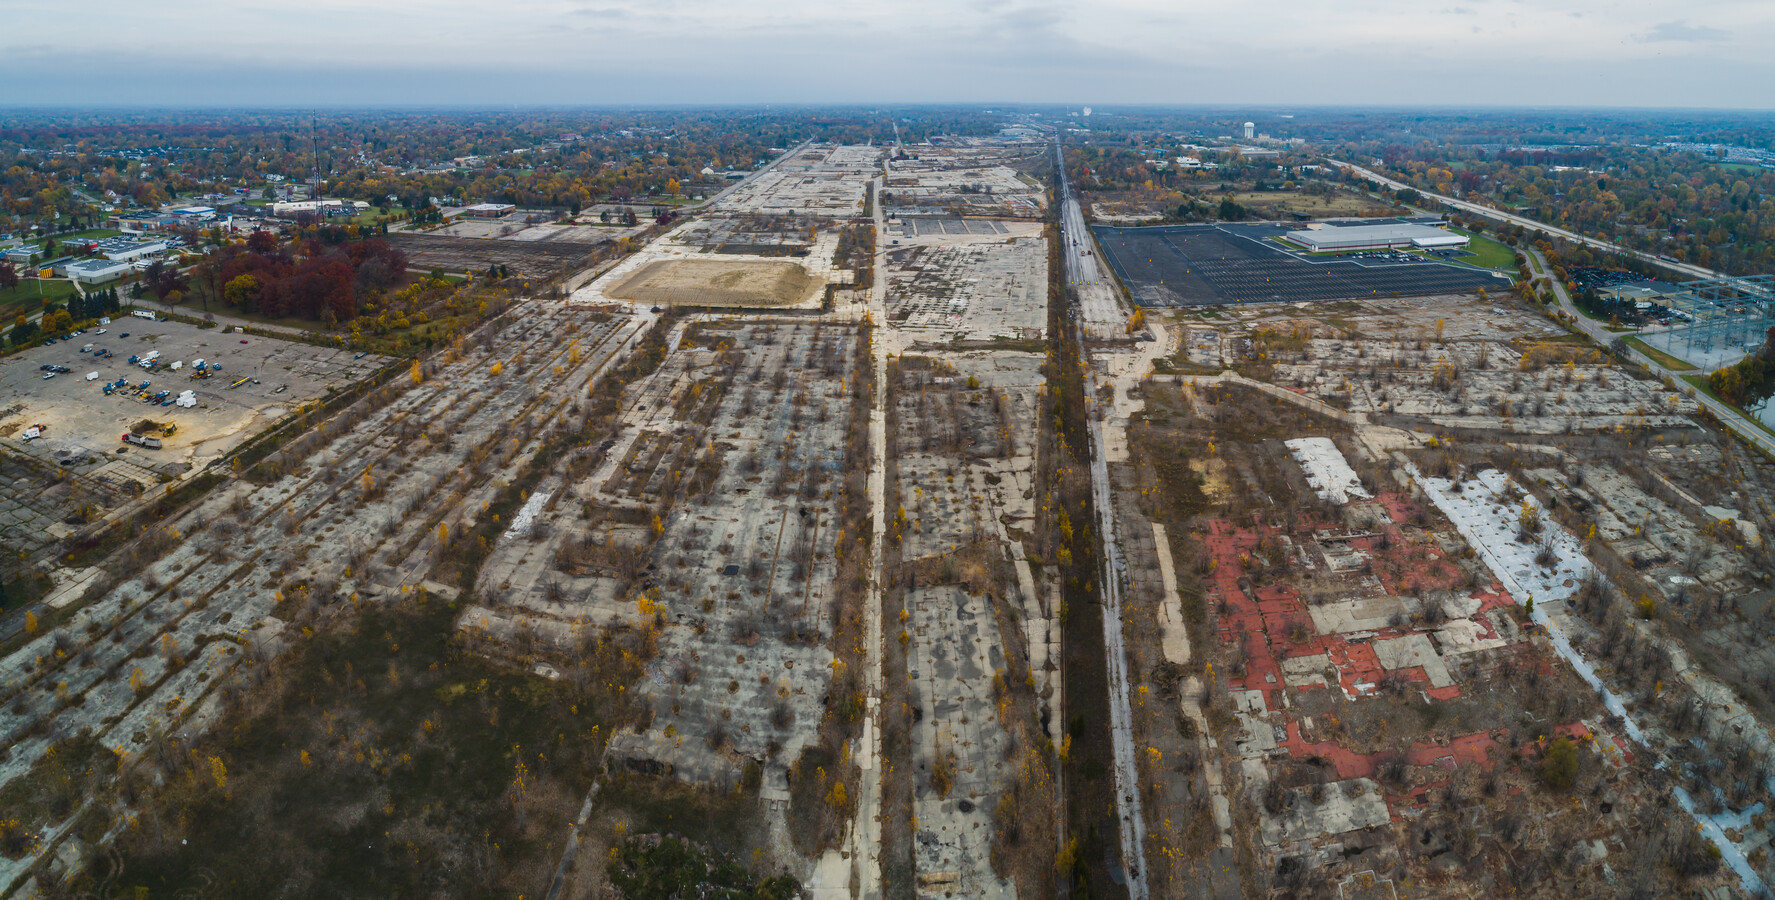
[1581,54]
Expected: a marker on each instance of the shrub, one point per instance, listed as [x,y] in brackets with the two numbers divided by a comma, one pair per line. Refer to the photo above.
[1559,765]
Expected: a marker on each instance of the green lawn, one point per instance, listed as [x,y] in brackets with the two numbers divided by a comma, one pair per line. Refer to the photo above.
[1487,253]
[1659,356]
[94,233]
[26,293]
[195,308]
[373,216]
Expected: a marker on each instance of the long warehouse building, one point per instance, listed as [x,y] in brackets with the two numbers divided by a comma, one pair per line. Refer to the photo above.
[1376,237]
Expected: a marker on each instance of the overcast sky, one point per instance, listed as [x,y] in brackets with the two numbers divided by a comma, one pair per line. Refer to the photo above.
[1693,53]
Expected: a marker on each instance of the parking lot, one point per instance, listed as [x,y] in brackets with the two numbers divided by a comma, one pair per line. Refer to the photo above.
[1195,265]
[79,420]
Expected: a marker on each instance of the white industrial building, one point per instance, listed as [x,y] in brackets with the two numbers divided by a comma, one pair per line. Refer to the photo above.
[121,250]
[96,271]
[293,207]
[1376,237]
[490,210]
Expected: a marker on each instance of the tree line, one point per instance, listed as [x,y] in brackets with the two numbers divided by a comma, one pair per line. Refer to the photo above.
[1751,379]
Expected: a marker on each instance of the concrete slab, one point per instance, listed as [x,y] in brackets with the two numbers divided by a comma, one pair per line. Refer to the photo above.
[1357,614]
[1327,471]
[1175,638]
[1343,806]
[1411,651]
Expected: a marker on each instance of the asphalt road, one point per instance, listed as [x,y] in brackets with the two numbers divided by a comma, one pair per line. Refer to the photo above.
[1501,216]
[722,194]
[1735,421]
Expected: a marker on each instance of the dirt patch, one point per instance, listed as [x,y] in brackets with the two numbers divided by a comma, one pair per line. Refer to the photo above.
[718,283]
[456,254]
[152,428]
[1212,473]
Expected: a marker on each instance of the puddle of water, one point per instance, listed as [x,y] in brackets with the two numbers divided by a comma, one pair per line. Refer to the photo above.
[1763,411]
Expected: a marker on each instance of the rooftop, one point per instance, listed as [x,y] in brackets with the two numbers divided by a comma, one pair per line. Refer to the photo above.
[1328,235]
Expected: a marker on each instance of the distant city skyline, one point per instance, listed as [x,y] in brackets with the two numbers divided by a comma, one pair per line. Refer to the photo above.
[1705,54]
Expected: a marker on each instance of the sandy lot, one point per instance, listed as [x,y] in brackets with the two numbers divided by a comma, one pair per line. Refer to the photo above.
[719,283]
[82,420]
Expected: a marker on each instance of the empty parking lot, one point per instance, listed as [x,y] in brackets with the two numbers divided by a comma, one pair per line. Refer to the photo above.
[1203,265]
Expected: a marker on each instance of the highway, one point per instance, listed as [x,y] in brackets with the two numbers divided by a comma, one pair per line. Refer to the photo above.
[1083,272]
[1477,209]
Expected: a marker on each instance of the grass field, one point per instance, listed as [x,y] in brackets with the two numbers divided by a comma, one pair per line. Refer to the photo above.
[27,292]
[374,216]
[94,233]
[1487,253]
[1660,357]
[1341,203]
[196,309]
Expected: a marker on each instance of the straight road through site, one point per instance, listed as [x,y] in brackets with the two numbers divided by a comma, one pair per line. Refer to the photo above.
[1084,274]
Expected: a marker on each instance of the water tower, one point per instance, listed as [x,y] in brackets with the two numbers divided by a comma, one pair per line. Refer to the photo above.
[1250,130]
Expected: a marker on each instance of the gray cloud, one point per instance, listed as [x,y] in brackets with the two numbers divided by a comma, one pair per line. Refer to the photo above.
[470,52]
[1682,31]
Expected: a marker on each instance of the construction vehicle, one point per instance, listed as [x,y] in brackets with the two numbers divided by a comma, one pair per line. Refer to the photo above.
[141,440]
[241,382]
